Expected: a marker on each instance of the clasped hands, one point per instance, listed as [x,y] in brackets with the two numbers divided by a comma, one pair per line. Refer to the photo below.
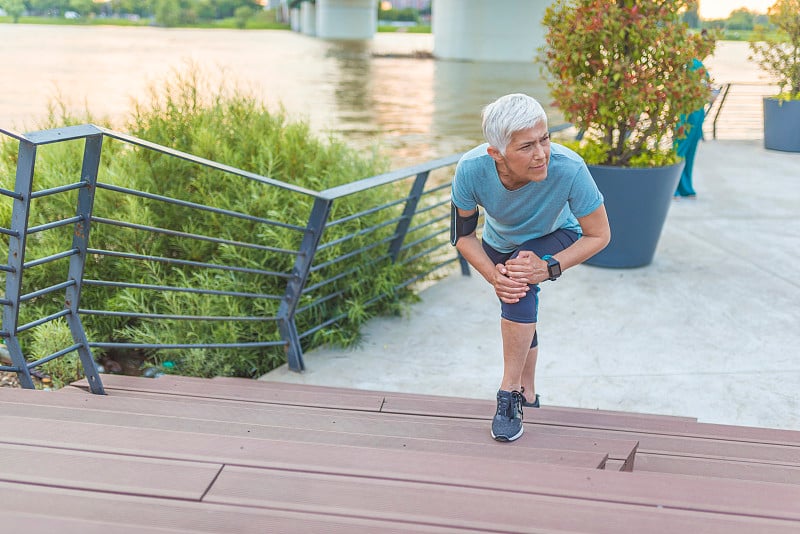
[512,279]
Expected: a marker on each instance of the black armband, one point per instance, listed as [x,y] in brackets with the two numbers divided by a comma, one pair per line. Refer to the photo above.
[461,226]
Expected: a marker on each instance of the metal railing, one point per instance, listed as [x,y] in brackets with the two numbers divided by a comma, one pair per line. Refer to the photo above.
[747,119]
[410,227]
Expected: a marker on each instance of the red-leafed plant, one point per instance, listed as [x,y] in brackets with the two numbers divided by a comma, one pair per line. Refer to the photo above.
[619,70]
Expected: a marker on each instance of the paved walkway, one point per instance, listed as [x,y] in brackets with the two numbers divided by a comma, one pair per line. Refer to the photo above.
[710,329]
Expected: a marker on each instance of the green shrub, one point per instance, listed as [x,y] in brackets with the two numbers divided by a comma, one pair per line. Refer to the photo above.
[228,125]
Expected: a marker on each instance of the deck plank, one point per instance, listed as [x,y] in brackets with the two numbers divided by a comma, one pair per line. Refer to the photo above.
[14,521]
[126,513]
[464,506]
[718,467]
[176,385]
[249,382]
[605,421]
[106,472]
[695,447]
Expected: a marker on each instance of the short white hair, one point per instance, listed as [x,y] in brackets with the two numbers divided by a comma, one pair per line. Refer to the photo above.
[509,114]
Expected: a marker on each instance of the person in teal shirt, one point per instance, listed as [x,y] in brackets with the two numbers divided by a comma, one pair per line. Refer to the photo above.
[543,214]
[690,132]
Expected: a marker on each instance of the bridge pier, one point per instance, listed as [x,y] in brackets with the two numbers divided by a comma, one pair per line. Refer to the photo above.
[488,30]
[308,18]
[466,30]
[335,19]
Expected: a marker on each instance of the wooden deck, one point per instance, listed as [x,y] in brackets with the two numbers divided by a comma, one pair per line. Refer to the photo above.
[224,455]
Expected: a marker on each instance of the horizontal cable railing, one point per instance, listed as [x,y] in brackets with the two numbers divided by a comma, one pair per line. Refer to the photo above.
[152,262]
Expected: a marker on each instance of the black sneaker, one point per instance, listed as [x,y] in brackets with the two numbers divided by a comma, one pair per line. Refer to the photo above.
[507,423]
[525,403]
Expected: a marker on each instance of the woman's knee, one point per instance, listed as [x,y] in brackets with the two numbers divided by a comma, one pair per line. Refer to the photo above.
[523,311]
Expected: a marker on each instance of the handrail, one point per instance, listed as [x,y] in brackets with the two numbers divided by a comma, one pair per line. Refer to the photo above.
[317,283]
[740,95]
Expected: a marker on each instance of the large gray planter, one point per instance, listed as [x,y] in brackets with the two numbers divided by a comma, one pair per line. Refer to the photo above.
[782,124]
[637,201]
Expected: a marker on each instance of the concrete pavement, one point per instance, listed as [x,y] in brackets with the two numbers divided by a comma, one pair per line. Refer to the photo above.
[710,329]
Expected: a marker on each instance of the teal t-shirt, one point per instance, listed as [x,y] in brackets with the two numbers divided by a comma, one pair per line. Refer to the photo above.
[535,209]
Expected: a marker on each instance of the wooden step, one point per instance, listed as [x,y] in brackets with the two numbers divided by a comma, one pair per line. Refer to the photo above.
[446,407]
[724,445]
[718,467]
[97,471]
[509,510]
[249,382]
[725,458]
[446,434]
[474,442]
[207,388]
[130,514]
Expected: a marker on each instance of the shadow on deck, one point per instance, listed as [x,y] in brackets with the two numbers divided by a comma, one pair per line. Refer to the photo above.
[178,454]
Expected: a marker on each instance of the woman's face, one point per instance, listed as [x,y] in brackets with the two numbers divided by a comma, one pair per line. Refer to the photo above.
[526,157]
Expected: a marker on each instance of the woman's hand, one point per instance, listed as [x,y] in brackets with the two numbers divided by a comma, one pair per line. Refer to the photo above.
[507,289]
[527,267]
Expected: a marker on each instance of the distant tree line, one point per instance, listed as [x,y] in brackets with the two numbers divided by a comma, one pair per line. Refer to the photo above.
[164,12]
[739,20]
[400,15]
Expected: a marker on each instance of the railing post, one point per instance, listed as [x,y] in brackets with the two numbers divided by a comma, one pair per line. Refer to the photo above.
[294,288]
[77,262]
[408,213]
[16,258]
[725,90]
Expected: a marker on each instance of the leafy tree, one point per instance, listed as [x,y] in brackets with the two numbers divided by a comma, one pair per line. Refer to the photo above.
[740,20]
[82,7]
[227,8]
[14,8]
[242,15]
[143,8]
[48,7]
[206,10]
[168,13]
[400,15]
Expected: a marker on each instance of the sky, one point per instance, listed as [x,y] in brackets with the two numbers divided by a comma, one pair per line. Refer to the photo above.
[720,9]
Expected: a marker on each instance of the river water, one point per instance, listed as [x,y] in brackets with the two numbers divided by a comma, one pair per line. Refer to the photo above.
[414,108]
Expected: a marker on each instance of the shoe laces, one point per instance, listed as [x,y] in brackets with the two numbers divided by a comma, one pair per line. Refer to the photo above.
[507,406]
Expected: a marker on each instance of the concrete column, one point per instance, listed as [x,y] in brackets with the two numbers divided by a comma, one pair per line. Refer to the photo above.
[294,19]
[488,30]
[347,19]
[308,18]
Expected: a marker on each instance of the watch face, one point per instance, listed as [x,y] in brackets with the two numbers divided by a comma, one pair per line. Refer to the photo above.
[553,268]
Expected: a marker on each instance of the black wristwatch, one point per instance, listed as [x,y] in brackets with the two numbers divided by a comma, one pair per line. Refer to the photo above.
[553,267]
